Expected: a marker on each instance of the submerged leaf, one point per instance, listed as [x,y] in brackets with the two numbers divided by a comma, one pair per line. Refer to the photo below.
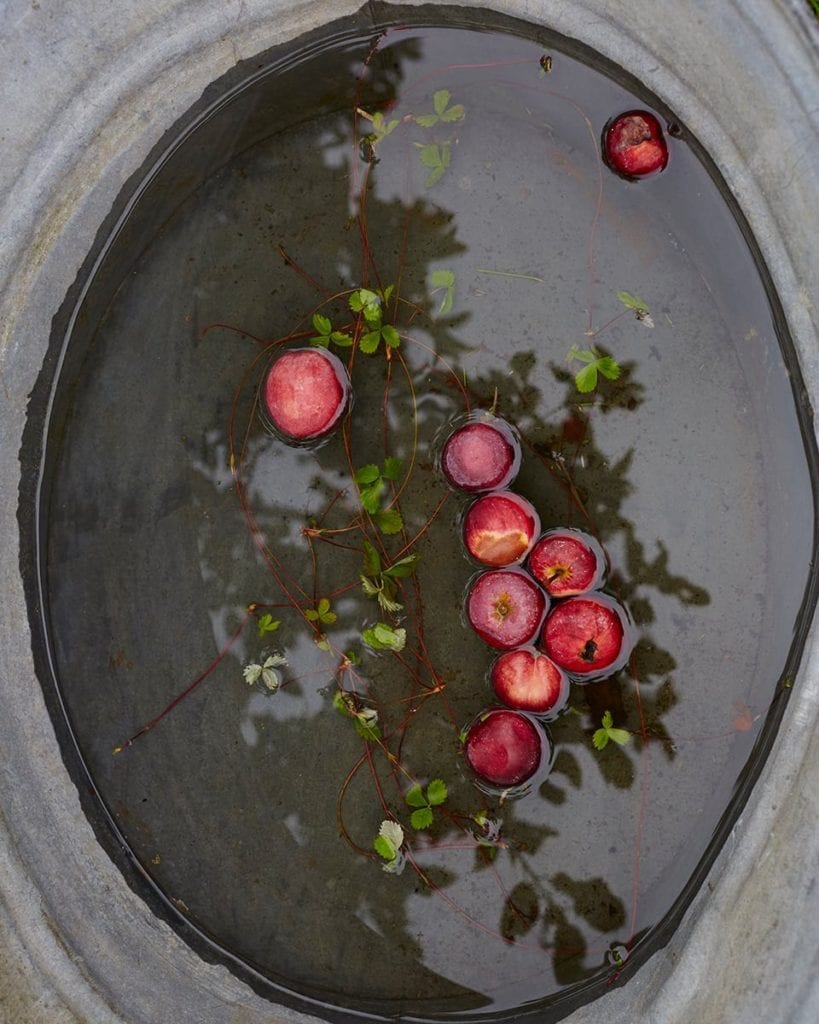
[422,818]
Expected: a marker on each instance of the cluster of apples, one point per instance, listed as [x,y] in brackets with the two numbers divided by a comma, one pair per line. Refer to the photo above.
[538,602]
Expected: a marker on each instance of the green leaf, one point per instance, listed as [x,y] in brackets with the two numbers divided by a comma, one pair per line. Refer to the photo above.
[608,721]
[371,496]
[430,155]
[436,792]
[389,522]
[367,731]
[455,113]
[393,468]
[323,607]
[370,588]
[404,567]
[329,618]
[311,615]
[341,339]
[434,176]
[422,818]
[322,324]
[320,341]
[445,153]
[600,738]
[440,101]
[372,560]
[620,736]
[632,301]
[384,848]
[386,600]
[322,643]
[267,624]
[609,367]
[427,120]
[585,355]
[342,702]
[367,474]
[415,797]
[372,315]
[369,342]
[586,379]
[390,336]
[443,278]
[387,292]
[382,637]
[361,298]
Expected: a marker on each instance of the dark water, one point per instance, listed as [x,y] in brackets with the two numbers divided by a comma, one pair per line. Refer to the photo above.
[691,469]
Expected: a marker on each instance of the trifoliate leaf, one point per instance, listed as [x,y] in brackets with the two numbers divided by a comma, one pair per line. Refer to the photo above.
[392,468]
[390,336]
[267,624]
[422,818]
[390,522]
[586,379]
[367,474]
[369,342]
[600,738]
[415,797]
[436,792]
[632,301]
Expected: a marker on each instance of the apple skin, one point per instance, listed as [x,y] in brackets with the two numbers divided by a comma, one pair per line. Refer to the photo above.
[482,455]
[590,636]
[634,145]
[500,528]
[305,393]
[504,748]
[505,607]
[525,679]
[567,562]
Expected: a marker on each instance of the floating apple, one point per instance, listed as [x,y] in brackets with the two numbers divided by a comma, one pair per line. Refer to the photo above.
[527,680]
[589,636]
[482,455]
[566,562]
[504,748]
[305,393]
[633,144]
[500,528]
[505,607]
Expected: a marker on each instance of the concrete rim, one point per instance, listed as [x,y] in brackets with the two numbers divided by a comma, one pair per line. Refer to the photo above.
[69,948]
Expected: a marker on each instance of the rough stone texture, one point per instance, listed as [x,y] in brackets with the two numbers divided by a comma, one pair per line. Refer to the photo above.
[88,88]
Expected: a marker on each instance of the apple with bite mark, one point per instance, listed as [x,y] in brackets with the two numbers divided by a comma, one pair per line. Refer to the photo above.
[305,393]
[527,680]
[566,562]
[589,636]
[503,748]
[500,528]
[634,145]
[481,455]
[505,607]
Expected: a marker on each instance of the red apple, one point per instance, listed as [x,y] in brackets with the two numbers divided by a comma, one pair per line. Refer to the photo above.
[482,455]
[633,144]
[500,528]
[504,748]
[590,636]
[305,393]
[567,562]
[505,607]
[527,680]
